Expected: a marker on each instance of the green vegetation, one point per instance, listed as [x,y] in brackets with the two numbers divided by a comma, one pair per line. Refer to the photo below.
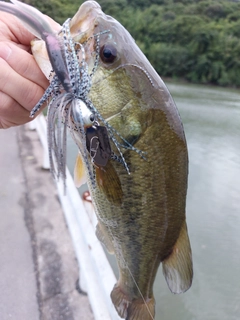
[196,40]
[59,10]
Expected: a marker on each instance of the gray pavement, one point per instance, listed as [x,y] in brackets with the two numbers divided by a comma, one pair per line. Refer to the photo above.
[38,269]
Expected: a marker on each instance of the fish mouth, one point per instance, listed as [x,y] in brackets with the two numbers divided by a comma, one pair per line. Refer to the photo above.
[84,22]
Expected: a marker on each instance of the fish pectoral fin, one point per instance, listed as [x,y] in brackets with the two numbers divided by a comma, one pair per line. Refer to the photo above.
[101,233]
[135,309]
[109,183]
[79,172]
[177,267]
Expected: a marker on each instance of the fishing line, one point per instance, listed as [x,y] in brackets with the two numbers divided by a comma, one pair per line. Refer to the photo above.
[66,102]
[81,84]
[110,129]
[89,103]
[135,282]
[145,302]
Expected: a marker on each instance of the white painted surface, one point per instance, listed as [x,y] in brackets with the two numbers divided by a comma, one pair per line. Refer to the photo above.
[94,266]
[39,124]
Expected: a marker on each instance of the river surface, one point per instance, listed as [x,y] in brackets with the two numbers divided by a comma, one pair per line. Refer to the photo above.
[211,118]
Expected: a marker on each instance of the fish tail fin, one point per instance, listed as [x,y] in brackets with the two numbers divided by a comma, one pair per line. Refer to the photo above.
[32,18]
[139,310]
[177,267]
[136,309]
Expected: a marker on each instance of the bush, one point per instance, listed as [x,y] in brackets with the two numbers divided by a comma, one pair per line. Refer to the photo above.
[194,39]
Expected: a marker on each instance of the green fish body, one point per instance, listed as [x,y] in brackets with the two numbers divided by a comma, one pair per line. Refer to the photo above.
[142,214]
[140,198]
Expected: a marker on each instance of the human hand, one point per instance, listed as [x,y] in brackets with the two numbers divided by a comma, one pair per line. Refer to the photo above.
[22,83]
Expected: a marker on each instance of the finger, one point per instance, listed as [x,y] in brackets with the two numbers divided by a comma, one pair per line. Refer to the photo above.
[23,63]
[13,29]
[11,113]
[22,90]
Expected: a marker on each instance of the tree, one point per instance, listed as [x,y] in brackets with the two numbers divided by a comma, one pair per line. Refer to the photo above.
[193,39]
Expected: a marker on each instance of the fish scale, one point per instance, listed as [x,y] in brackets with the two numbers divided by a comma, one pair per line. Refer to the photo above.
[142,214]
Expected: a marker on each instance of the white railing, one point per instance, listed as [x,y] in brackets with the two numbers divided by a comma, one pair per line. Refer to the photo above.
[96,275]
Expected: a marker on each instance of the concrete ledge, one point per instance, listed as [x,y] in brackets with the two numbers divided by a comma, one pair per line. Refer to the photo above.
[39,272]
[95,268]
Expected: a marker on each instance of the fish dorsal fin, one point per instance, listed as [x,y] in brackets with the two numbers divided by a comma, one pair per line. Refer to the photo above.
[109,183]
[79,172]
[103,237]
[177,268]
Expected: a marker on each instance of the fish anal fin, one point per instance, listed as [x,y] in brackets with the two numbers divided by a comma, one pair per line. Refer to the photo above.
[103,237]
[177,267]
[136,309]
[79,172]
[109,183]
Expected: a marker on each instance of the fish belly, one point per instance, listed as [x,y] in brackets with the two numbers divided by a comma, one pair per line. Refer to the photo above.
[144,229]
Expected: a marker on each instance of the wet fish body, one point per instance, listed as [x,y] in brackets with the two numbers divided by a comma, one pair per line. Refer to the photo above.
[141,215]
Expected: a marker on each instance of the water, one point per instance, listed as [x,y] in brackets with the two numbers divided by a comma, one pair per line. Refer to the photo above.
[211,119]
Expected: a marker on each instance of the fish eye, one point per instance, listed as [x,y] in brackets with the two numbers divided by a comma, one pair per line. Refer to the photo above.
[92,117]
[108,53]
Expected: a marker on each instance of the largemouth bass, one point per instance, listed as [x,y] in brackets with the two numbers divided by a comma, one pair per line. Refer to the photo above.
[131,143]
